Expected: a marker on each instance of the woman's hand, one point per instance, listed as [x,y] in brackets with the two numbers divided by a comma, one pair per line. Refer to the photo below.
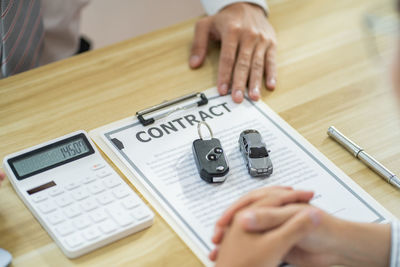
[241,248]
[331,242]
[273,196]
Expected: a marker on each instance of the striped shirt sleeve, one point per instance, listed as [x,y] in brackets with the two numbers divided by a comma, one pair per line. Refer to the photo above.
[395,245]
[213,6]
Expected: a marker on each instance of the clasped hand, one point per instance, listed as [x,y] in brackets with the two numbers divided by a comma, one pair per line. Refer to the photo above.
[275,224]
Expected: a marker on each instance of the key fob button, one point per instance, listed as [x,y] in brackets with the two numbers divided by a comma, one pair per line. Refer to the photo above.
[220,168]
[211,157]
[218,150]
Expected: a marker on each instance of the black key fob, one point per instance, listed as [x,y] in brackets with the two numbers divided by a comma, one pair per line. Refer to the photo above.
[210,160]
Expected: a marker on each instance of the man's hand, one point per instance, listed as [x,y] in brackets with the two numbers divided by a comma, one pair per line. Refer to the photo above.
[240,248]
[2,176]
[248,48]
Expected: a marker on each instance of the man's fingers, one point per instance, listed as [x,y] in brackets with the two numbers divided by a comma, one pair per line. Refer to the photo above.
[263,219]
[200,42]
[270,67]
[2,176]
[257,71]
[227,58]
[242,66]
[295,229]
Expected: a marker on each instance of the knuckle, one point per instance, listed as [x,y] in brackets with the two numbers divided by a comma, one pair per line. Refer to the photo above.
[273,43]
[265,217]
[253,34]
[243,64]
[258,65]
[234,28]
[239,217]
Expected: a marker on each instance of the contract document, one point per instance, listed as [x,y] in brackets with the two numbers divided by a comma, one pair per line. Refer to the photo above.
[158,160]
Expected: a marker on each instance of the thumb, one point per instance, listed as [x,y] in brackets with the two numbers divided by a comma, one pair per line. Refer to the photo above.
[200,42]
[295,229]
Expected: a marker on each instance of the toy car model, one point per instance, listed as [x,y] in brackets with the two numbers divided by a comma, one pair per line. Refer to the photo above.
[255,154]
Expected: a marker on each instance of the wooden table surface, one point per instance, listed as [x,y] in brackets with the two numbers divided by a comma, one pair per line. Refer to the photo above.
[332,71]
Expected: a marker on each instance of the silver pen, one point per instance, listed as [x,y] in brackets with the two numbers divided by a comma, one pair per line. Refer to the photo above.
[359,153]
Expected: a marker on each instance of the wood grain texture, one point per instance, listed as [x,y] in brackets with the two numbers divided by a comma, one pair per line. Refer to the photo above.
[332,71]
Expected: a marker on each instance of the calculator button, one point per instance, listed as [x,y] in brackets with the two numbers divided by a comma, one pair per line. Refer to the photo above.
[91,233]
[105,198]
[74,240]
[119,215]
[140,213]
[38,198]
[108,226]
[72,211]
[88,179]
[89,204]
[55,218]
[65,229]
[96,187]
[82,222]
[98,216]
[47,207]
[80,193]
[72,185]
[55,191]
[131,202]
[98,166]
[103,173]
[63,200]
[120,192]
[111,182]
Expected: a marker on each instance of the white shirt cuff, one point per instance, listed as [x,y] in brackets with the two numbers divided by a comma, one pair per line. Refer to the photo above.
[395,245]
[213,6]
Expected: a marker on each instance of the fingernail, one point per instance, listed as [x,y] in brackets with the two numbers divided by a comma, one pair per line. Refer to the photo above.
[238,94]
[272,82]
[223,88]
[315,216]
[256,92]
[194,60]
[249,219]
[217,230]
[217,235]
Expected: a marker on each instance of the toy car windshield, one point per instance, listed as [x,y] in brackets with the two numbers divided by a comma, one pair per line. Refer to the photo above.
[258,152]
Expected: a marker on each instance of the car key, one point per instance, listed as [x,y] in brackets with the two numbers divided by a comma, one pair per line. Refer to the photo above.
[210,157]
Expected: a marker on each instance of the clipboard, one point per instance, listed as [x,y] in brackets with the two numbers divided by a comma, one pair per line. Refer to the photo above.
[122,152]
[175,104]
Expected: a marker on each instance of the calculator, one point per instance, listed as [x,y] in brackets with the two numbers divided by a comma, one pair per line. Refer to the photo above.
[75,195]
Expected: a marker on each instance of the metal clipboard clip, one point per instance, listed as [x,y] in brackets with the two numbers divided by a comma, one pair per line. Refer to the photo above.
[202,100]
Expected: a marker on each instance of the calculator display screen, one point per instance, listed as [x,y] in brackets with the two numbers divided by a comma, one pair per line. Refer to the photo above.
[50,156]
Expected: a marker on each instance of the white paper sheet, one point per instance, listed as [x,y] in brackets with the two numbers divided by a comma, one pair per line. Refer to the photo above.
[160,158]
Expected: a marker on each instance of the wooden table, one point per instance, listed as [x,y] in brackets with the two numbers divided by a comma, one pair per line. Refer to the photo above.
[329,74]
